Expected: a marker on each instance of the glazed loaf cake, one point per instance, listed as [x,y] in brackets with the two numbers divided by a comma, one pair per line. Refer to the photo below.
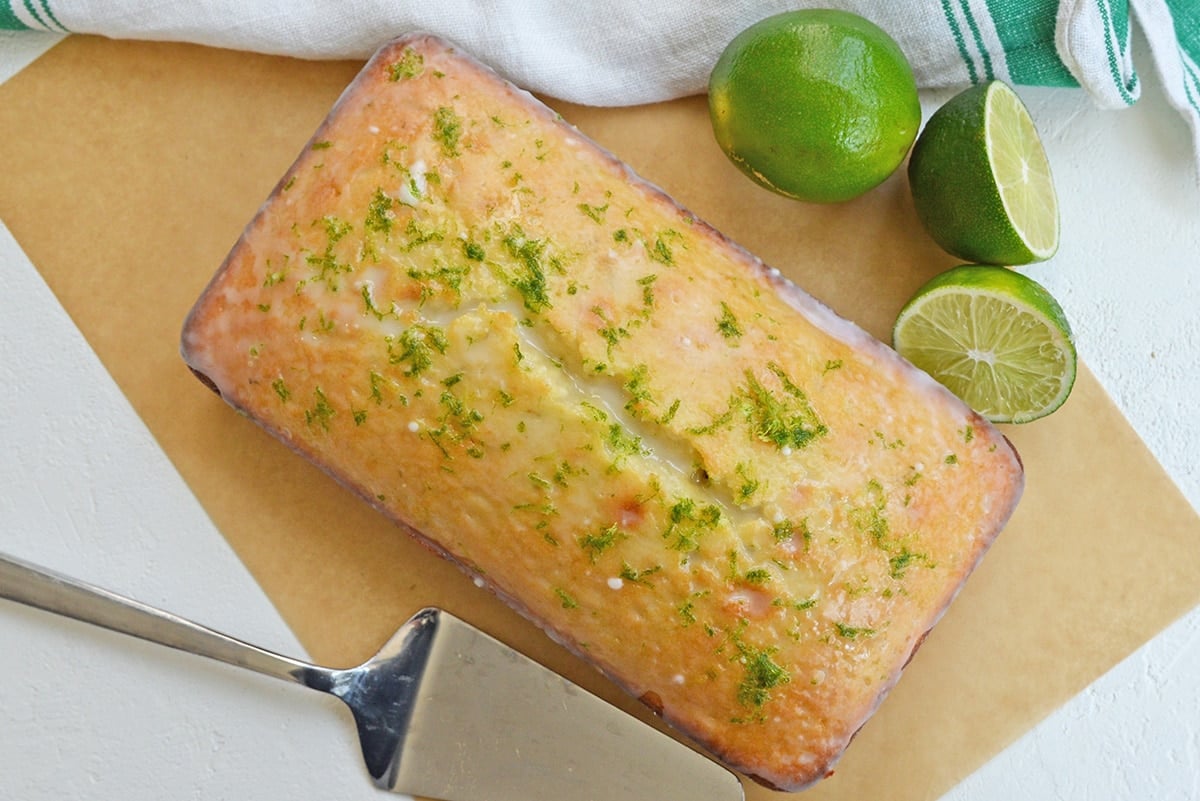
[740,507]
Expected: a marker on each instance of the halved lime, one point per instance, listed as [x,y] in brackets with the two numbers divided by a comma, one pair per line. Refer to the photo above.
[981,182]
[993,337]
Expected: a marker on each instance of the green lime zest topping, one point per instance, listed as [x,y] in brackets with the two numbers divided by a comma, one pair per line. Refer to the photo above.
[853,632]
[762,675]
[639,393]
[439,279]
[646,282]
[530,277]
[749,485]
[327,265]
[379,213]
[689,521]
[321,413]
[870,517]
[473,251]
[901,561]
[662,249]
[415,347]
[567,600]
[457,423]
[727,324]
[623,443]
[409,65]
[594,213]
[597,542]
[788,422]
[447,130]
[628,573]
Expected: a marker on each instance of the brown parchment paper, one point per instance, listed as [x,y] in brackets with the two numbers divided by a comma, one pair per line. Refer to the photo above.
[129,169]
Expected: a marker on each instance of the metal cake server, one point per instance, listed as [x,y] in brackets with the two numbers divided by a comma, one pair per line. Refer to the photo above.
[443,710]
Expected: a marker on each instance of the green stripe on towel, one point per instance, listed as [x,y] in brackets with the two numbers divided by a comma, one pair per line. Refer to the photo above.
[989,74]
[1026,32]
[9,21]
[50,14]
[1185,14]
[1113,47]
[38,16]
[960,42]
[1191,81]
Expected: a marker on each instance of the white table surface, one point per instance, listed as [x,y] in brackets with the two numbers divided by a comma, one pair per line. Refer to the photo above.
[86,490]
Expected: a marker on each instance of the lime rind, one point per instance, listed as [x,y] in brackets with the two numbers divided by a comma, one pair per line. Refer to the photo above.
[994,338]
[1022,171]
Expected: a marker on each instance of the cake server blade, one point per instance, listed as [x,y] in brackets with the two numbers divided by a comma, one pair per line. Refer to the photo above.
[490,723]
[443,710]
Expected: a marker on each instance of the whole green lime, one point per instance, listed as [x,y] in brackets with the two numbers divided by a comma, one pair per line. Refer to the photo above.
[817,104]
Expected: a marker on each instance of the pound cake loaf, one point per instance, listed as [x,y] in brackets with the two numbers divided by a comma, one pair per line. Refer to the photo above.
[737,505]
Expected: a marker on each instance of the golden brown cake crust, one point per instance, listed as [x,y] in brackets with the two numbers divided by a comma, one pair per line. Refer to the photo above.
[739,506]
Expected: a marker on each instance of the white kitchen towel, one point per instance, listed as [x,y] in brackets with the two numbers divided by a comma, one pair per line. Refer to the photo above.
[625,52]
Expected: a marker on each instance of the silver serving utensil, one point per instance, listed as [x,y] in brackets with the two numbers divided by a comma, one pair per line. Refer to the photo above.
[443,710]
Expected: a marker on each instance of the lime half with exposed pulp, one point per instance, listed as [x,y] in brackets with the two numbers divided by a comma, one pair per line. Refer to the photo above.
[995,338]
[981,182]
